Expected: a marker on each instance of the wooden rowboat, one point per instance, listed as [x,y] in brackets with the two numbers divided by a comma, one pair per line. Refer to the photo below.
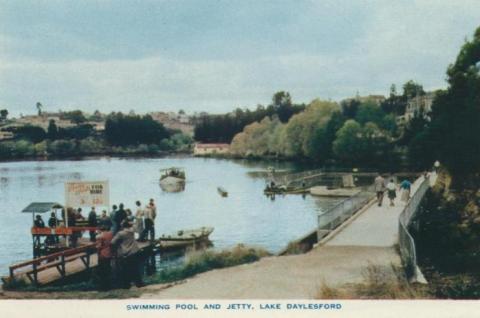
[193,235]
[222,192]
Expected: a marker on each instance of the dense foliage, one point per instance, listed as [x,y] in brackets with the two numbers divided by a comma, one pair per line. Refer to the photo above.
[124,134]
[452,135]
[222,128]
[124,130]
[323,133]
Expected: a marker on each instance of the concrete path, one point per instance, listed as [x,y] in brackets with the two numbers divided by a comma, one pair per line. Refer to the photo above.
[281,277]
[378,226]
[368,239]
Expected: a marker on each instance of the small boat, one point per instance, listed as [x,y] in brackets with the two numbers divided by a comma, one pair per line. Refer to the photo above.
[222,192]
[193,235]
[172,179]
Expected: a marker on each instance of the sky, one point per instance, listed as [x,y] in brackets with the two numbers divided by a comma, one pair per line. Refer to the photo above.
[214,56]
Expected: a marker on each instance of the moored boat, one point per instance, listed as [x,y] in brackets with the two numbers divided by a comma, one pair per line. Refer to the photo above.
[191,235]
[222,192]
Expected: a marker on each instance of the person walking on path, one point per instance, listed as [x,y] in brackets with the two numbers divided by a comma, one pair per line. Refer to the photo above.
[128,256]
[139,214]
[436,166]
[392,191]
[150,215]
[379,185]
[92,222]
[405,186]
[104,248]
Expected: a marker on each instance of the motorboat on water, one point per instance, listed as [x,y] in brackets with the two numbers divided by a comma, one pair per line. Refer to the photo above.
[172,179]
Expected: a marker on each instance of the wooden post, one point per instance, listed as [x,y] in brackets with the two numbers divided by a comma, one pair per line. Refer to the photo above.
[63,273]
[35,274]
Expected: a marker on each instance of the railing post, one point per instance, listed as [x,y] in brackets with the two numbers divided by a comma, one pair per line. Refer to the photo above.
[62,264]
[35,274]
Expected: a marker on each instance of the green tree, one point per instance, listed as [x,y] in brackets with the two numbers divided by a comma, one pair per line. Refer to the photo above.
[125,130]
[75,116]
[455,124]
[412,89]
[3,114]
[31,133]
[347,145]
[302,127]
[350,108]
[52,130]
[39,107]
[369,112]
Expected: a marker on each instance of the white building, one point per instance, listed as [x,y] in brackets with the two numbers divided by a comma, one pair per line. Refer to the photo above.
[419,105]
[211,149]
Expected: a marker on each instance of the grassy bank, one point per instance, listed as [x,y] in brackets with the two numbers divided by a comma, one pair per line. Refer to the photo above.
[378,283]
[200,262]
[195,263]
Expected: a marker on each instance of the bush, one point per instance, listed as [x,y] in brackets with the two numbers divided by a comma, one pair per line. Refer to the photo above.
[62,147]
[207,260]
[90,146]
[23,148]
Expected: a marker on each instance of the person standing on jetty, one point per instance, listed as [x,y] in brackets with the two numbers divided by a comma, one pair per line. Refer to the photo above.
[92,222]
[379,185]
[392,191]
[129,257]
[119,216]
[150,215]
[39,222]
[52,223]
[105,220]
[139,219]
[104,248]
[115,226]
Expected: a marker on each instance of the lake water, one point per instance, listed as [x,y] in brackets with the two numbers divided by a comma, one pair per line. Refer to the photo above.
[245,216]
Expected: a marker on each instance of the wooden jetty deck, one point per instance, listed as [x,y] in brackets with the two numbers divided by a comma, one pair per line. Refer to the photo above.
[55,267]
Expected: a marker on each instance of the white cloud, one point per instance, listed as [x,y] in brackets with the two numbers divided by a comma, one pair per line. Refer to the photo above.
[402,40]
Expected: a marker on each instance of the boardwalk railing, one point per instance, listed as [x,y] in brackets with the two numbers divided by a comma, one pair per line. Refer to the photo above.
[340,212]
[58,260]
[405,240]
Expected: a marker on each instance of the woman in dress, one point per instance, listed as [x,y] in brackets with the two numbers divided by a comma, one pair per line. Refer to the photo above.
[392,191]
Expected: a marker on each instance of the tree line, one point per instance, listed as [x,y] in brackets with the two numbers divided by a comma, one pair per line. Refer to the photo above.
[222,128]
[123,134]
[325,133]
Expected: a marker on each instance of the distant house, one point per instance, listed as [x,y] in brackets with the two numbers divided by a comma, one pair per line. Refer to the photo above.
[6,135]
[376,99]
[419,104]
[210,149]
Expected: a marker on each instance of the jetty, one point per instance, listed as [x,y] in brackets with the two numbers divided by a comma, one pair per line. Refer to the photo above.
[368,237]
[56,267]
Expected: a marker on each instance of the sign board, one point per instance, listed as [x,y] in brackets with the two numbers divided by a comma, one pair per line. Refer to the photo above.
[87,193]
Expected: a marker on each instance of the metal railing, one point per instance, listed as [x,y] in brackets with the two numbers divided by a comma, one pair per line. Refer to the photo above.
[339,213]
[405,240]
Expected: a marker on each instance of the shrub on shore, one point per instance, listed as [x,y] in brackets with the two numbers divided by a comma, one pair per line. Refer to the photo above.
[200,262]
[378,283]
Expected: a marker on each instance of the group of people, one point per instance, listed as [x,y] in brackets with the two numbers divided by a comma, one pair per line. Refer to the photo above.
[381,186]
[120,260]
